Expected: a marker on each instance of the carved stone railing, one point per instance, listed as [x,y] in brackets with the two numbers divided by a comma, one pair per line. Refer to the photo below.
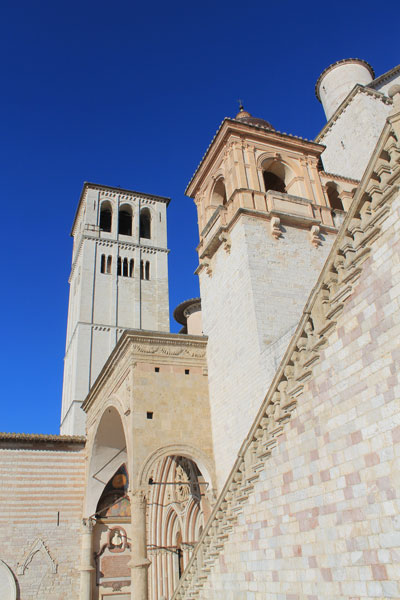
[362,225]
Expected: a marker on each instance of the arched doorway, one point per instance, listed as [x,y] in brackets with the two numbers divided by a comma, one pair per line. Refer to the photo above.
[177,509]
[108,509]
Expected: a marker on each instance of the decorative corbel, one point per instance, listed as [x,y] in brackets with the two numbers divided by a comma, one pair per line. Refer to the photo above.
[315,236]
[205,263]
[276,227]
[225,238]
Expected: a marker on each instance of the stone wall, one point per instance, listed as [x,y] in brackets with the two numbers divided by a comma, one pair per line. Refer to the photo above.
[41,495]
[311,507]
[250,306]
[351,138]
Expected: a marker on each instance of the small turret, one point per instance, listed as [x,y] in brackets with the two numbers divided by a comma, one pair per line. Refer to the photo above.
[336,82]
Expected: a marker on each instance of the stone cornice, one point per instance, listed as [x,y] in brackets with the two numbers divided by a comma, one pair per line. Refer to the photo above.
[118,191]
[137,346]
[248,131]
[357,89]
[371,206]
[386,76]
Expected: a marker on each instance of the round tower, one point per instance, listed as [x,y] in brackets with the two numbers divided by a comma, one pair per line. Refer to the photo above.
[337,81]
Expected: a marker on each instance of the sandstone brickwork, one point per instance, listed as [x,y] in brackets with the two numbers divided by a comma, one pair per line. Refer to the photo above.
[41,495]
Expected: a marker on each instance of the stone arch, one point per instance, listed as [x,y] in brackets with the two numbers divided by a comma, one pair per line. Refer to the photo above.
[198,456]
[145,223]
[280,173]
[107,451]
[178,505]
[7,582]
[218,193]
[106,215]
[125,218]
[37,546]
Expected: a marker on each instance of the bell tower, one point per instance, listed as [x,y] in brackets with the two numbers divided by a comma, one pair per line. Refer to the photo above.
[118,281]
[265,229]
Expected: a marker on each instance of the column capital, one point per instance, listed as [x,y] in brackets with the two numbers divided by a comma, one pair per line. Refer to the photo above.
[88,524]
[137,496]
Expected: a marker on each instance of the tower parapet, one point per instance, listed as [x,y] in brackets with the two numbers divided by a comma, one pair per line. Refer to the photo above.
[336,82]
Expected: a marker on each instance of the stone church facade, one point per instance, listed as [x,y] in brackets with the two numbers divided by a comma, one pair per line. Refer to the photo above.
[256,453]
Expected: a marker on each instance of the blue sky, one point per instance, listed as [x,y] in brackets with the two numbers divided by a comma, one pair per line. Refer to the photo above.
[130,95]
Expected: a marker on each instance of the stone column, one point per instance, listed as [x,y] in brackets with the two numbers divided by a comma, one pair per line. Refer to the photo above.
[139,562]
[86,566]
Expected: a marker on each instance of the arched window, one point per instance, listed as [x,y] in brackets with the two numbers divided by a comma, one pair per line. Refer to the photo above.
[109,263]
[333,197]
[273,182]
[145,223]
[131,267]
[103,264]
[119,266]
[125,220]
[145,270]
[219,193]
[105,216]
[125,268]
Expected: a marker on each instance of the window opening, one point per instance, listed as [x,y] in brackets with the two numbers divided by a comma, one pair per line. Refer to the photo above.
[105,217]
[103,264]
[273,182]
[109,263]
[125,268]
[333,197]
[125,220]
[119,266]
[149,414]
[219,193]
[157,369]
[145,223]
[187,371]
[131,267]
[147,273]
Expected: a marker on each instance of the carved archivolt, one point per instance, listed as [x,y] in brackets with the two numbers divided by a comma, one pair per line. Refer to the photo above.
[37,546]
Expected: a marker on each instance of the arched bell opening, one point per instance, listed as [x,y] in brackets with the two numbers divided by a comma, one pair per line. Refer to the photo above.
[177,504]
[125,220]
[219,193]
[105,221]
[145,224]
[279,177]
